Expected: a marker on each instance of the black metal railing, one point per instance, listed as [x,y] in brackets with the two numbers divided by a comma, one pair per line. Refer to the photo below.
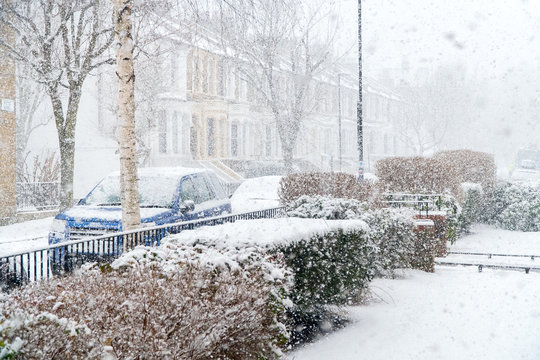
[423,203]
[20,268]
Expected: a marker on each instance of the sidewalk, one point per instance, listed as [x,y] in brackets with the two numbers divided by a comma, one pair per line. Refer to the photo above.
[25,235]
[455,313]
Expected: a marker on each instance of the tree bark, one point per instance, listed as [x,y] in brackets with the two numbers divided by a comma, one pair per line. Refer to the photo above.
[131,217]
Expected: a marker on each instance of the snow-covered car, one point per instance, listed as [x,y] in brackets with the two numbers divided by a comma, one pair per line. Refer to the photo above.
[256,194]
[525,175]
[166,195]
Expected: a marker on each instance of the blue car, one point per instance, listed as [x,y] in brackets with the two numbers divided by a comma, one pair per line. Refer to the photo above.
[167,195]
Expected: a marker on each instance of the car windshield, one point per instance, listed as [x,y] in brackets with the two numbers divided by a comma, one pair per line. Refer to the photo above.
[153,192]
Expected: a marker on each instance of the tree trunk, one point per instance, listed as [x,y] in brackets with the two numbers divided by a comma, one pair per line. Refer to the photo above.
[131,217]
[287,158]
[67,164]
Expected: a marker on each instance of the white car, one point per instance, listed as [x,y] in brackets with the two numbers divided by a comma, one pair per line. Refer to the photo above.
[256,194]
[525,175]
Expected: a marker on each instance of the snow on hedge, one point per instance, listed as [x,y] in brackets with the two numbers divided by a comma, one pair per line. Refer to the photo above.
[266,232]
[242,244]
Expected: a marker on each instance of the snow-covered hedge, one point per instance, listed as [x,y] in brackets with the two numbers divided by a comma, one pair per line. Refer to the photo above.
[391,231]
[147,306]
[325,207]
[513,207]
[332,261]
[337,185]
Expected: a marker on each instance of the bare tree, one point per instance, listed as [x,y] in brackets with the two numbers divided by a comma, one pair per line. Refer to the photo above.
[62,41]
[29,97]
[277,50]
[431,109]
[131,217]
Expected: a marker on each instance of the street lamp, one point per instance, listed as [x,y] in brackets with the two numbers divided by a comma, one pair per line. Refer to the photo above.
[339,118]
[359,104]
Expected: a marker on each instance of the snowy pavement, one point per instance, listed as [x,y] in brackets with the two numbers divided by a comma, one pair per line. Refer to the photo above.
[23,236]
[455,313]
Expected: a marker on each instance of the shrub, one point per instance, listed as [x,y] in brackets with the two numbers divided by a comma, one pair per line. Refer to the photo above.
[143,312]
[473,204]
[24,335]
[336,185]
[417,175]
[472,167]
[514,207]
[324,207]
[425,248]
[444,172]
[331,262]
[392,231]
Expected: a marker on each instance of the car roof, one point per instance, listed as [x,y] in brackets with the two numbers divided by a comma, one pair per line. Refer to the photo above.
[175,171]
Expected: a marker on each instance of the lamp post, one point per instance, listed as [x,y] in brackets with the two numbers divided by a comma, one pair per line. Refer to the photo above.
[359,104]
[339,119]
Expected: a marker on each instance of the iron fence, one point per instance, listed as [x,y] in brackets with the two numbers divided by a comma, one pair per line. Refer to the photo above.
[32,196]
[423,203]
[20,268]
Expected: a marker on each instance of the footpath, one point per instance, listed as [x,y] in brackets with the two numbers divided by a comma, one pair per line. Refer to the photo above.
[455,313]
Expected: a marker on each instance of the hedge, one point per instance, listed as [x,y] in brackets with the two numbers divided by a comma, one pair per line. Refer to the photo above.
[441,173]
[143,312]
[336,185]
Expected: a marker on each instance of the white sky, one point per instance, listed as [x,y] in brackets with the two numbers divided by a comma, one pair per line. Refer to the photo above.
[497,40]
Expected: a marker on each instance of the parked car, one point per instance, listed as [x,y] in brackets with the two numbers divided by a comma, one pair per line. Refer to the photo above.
[525,175]
[167,195]
[256,194]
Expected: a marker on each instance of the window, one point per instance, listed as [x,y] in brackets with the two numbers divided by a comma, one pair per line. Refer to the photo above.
[190,72]
[234,140]
[218,188]
[175,132]
[268,144]
[188,190]
[196,189]
[203,190]
[193,140]
[162,128]
[205,75]
[221,79]
[212,76]
[174,71]
[210,137]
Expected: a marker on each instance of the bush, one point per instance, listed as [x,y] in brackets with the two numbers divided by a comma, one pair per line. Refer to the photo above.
[513,207]
[473,205]
[392,231]
[336,185]
[324,207]
[425,249]
[442,173]
[45,336]
[331,263]
[143,312]
[472,166]
[417,175]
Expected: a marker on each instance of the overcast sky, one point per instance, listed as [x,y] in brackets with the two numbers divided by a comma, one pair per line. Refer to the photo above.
[498,41]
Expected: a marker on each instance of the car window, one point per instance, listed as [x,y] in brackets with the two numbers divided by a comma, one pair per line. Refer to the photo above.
[196,188]
[154,191]
[218,188]
[188,191]
[204,192]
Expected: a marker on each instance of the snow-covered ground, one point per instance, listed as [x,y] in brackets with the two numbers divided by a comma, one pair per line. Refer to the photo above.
[24,236]
[455,313]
